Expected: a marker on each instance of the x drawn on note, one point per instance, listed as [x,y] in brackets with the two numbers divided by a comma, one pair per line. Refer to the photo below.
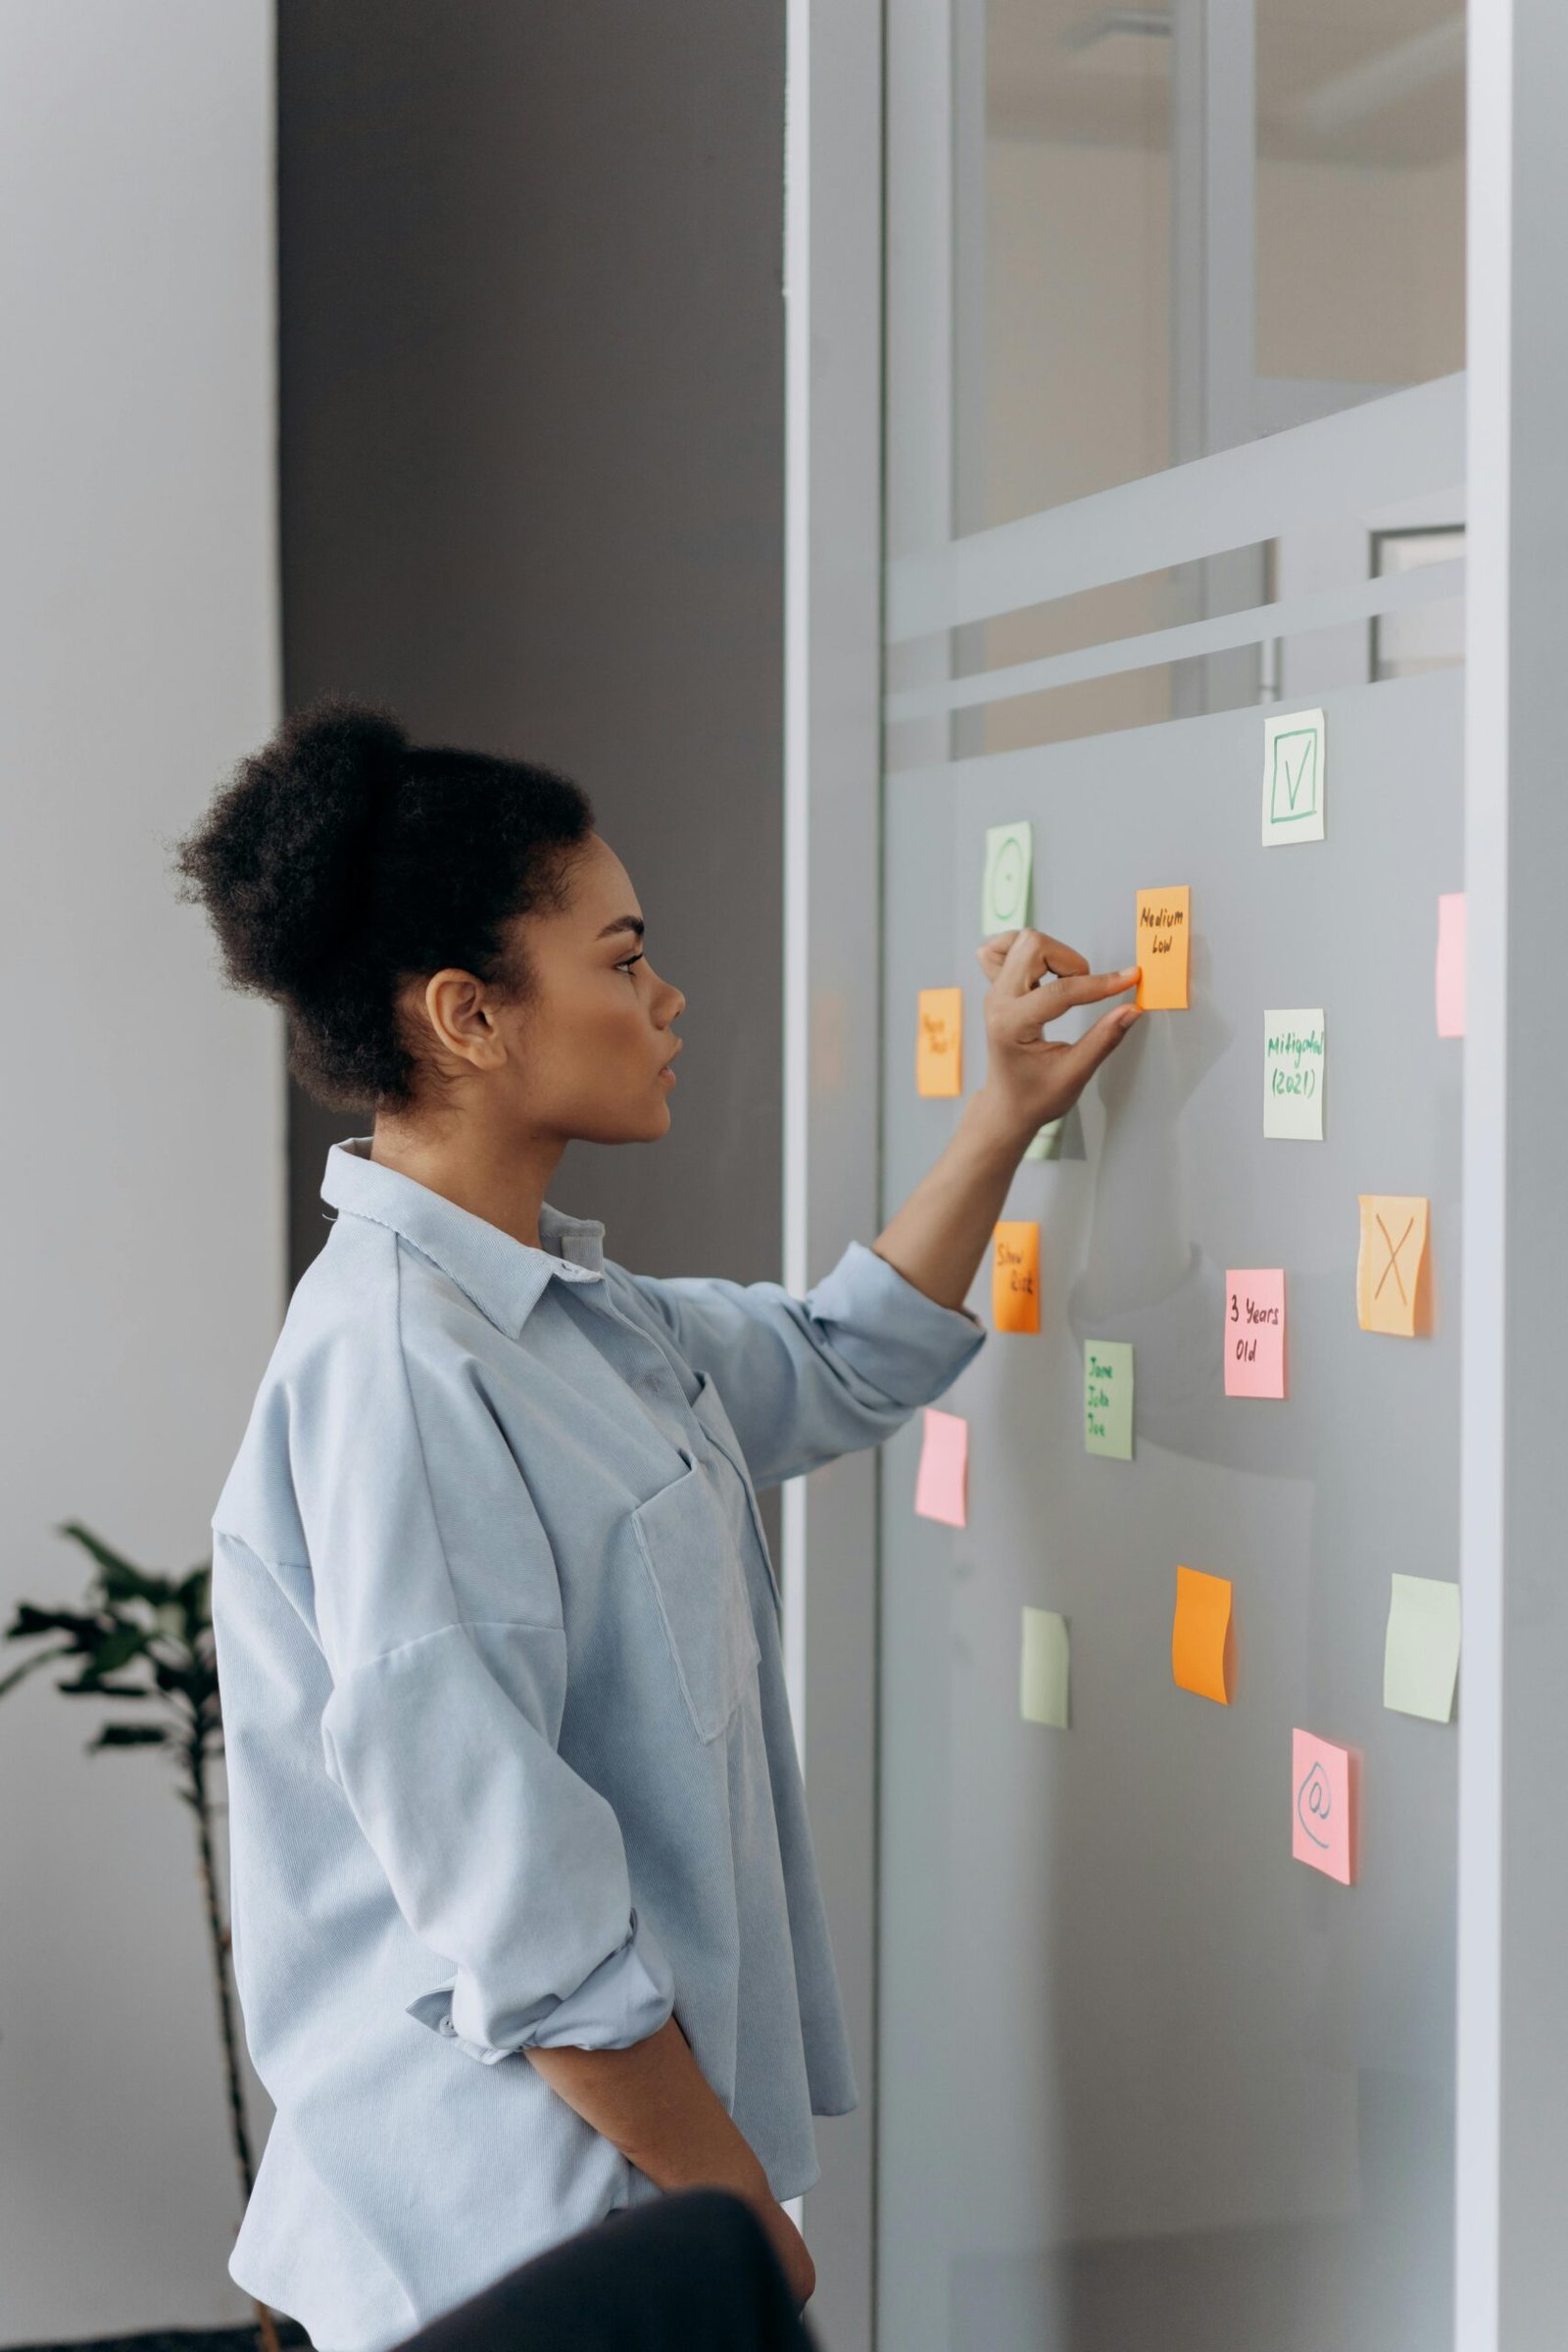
[1391,1284]
[1394,1248]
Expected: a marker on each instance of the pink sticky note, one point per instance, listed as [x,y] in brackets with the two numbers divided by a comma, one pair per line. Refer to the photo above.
[1451,965]
[938,1489]
[1322,1822]
[1255,1333]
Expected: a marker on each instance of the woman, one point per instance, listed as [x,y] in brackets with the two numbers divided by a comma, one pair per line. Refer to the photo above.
[497,1630]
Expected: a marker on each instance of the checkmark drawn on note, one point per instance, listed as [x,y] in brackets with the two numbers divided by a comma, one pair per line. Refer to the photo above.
[1296,771]
[1292,777]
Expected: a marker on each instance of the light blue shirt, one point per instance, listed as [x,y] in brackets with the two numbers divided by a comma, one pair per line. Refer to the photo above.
[509,1751]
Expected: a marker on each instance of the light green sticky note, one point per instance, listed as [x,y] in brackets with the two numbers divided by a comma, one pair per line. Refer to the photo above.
[1108,1398]
[1042,1675]
[1009,864]
[1046,1141]
[1294,1060]
[1292,777]
[1421,1656]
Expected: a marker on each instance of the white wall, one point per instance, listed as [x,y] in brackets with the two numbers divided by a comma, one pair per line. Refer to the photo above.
[142,1164]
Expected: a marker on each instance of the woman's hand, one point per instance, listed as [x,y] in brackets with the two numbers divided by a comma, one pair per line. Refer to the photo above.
[1031,1079]
[790,2247]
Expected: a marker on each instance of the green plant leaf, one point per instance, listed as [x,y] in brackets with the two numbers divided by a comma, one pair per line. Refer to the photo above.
[20,1673]
[87,1632]
[116,1647]
[127,1734]
[123,1579]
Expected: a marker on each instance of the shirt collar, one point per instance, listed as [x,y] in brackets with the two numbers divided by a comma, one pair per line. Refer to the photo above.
[503,1276]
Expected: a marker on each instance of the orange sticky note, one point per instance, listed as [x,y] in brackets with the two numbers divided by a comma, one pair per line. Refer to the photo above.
[939,1046]
[1164,926]
[1199,1634]
[1015,1277]
[1391,1281]
[1323,1817]
[1255,1333]
[1450,963]
[941,1488]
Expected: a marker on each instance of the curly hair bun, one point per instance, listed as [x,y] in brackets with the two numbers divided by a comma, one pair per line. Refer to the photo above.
[284,857]
[341,859]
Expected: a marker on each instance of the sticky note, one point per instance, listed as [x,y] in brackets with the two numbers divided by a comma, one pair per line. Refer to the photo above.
[1255,1333]
[1108,1398]
[1043,1669]
[1292,777]
[1390,1268]
[1010,866]
[941,1486]
[1016,1277]
[1164,923]
[1293,1051]
[1421,1650]
[938,1043]
[1046,1141]
[1197,1635]
[1450,963]
[1322,1825]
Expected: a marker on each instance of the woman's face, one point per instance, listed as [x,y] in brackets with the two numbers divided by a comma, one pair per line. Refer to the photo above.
[589,1053]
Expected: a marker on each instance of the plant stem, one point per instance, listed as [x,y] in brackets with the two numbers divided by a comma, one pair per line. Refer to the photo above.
[196,1760]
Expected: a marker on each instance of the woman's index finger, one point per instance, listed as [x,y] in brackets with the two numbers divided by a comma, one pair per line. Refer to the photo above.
[1034,954]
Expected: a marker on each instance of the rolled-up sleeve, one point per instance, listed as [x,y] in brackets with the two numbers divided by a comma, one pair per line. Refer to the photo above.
[805,1380]
[442,1722]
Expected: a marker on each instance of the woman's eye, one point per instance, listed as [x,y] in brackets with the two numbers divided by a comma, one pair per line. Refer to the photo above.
[626,964]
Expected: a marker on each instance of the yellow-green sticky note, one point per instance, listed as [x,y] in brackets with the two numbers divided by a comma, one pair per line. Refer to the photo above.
[1421,1656]
[1046,1141]
[1042,1675]
[1005,891]
[1108,1398]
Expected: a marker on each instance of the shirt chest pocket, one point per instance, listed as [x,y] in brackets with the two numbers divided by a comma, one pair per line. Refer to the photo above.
[684,1540]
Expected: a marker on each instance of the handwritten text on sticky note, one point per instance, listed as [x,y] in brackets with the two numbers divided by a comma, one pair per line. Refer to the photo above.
[1108,1398]
[1391,1267]
[1292,777]
[1164,926]
[1450,963]
[1322,1825]
[1293,1049]
[1016,1277]
[938,1043]
[1421,1649]
[941,1485]
[1255,1333]
[1199,1634]
[1043,1671]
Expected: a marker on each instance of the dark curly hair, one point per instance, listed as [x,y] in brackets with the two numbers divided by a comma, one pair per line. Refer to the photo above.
[341,861]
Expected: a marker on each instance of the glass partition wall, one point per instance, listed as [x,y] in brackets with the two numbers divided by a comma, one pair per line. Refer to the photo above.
[1174,444]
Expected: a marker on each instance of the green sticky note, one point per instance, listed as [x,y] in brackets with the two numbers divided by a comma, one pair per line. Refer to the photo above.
[1046,1143]
[1010,865]
[1294,752]
[1294,1054]
[1108,1398]
[1043,1674]
[1421,1656]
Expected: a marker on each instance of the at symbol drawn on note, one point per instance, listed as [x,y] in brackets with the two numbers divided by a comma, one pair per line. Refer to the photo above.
[1315,1802]
[1326,1802]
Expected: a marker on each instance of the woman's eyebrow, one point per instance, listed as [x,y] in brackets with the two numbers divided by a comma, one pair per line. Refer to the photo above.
[626,922]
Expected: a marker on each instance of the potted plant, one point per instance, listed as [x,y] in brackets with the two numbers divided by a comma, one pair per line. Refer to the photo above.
[149,1638]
